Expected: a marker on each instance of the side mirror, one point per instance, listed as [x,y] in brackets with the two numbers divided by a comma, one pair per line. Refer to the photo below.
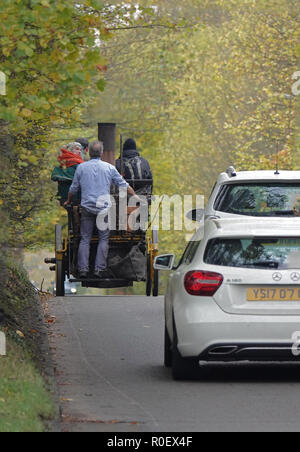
[196,215]
[165,262]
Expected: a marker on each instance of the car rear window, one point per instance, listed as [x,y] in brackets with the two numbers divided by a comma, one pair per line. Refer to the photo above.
[263,253]
[260,199]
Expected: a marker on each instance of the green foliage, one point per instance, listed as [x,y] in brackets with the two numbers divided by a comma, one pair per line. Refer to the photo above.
[51,53]
[231,95]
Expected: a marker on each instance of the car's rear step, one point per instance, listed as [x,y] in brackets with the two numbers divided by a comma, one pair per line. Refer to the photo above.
[103,283]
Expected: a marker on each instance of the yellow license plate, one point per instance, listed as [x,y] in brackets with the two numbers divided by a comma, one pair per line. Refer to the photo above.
[274,294]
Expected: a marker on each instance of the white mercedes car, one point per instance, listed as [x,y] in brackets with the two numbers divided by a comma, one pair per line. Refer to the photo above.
[235,295]
[254,193]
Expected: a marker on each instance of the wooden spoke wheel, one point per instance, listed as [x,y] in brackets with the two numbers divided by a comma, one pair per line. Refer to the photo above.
[156,283]
[152,284]
[149,278]
[60,269]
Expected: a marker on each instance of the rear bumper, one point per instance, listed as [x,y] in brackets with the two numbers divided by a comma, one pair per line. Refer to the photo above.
[203,329]
[249,352]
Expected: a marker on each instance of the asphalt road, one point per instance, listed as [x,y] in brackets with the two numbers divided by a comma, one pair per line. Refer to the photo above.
[108,353]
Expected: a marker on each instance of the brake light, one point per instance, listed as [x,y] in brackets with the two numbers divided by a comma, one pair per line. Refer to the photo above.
[202,284]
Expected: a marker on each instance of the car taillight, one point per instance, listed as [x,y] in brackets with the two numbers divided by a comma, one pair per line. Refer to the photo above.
[202,284]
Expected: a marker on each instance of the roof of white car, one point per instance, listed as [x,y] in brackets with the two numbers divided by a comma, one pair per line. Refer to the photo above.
[253,227]
[262,176]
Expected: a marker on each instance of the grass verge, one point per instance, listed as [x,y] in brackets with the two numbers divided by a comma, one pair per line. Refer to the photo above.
[26,402]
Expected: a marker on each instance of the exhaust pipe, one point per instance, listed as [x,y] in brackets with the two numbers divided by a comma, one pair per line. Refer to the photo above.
[223,351]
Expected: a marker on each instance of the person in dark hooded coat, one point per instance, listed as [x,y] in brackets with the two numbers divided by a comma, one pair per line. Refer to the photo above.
[135,168]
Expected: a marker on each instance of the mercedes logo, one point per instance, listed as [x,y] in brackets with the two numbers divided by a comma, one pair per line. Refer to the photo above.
[295,277]
[277,277]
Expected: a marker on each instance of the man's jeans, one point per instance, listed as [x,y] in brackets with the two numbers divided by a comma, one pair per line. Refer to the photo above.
[88,222]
